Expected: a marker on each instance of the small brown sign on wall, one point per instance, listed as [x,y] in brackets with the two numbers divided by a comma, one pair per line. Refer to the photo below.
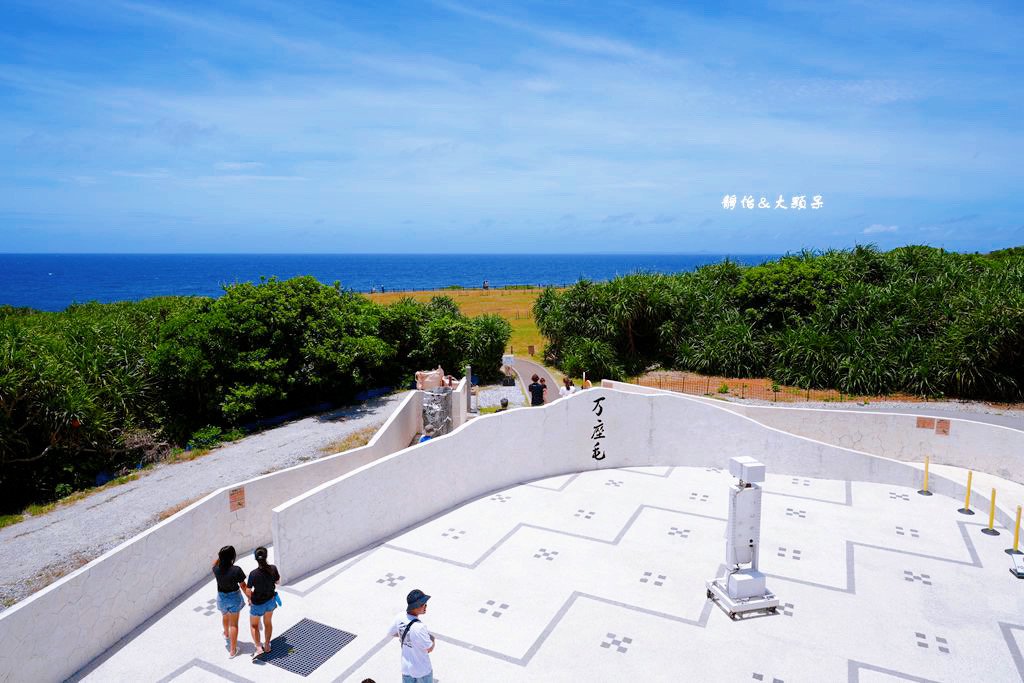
[942,427]
[236,498]
[926,423]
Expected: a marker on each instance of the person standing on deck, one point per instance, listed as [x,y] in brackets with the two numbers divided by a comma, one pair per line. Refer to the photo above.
[416,641]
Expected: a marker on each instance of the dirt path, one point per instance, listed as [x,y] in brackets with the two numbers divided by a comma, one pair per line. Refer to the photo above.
[41,549]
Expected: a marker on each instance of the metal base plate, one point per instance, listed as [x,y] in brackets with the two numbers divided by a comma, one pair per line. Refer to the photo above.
[719,594]
[305,646]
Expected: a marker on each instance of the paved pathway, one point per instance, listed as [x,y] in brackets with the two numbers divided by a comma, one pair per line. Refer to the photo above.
[527,368]
[1007,419]
[41,549]
[599,576]
[967,410]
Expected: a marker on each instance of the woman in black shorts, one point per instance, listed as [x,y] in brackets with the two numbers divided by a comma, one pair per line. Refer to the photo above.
[263,600]
[230,586]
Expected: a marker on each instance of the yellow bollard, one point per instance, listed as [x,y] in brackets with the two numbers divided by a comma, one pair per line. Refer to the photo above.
[924,491]
[1015,550]
[966,509]
[990,530]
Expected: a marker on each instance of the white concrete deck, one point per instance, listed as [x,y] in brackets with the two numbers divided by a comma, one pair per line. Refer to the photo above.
[600,576]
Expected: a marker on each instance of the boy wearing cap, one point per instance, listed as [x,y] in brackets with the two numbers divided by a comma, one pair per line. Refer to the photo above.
[417,643]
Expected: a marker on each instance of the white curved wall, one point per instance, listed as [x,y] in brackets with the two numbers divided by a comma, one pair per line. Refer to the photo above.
[375,502]
[980,446]
[59,630]
[365,501]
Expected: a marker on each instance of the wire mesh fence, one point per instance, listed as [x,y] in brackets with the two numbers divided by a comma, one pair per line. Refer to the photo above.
[498,290]
[760,389]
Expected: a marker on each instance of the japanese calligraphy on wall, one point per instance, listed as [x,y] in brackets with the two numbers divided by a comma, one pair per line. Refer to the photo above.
[597,434]
[797,202]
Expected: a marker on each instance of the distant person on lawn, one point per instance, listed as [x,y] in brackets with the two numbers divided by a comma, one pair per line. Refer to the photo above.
[416,641]
[536,392]
[264,599]
[230,587]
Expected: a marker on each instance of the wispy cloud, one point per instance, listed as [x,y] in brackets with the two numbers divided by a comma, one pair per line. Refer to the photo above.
[879,228]
[247,178]
[237,165]
[563,38]
[154,174]
[521,115]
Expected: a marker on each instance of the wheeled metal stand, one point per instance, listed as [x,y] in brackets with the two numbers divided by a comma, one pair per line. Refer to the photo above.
[743,590]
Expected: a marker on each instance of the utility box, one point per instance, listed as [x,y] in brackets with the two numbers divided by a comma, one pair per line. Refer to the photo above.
[747,469]
[746,583]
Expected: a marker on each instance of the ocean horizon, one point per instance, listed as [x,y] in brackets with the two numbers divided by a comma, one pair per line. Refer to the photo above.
[52,282]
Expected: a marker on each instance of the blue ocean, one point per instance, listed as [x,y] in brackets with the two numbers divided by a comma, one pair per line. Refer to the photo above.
[51,282]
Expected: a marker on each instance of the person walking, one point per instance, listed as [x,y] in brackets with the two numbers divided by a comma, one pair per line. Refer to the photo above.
[569,387]
[263,600]
[416,641]
[230,587]
[536,390]
[544,383]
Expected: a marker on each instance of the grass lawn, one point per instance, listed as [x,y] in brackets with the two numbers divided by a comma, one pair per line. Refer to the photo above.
[514,305]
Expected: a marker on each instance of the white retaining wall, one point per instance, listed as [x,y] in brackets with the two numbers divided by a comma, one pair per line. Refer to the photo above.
[980,446]
[59,630]
[459,411]
[366,506]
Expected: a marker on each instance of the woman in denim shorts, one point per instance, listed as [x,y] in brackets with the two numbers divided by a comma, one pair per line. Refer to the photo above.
[263,599]
[230,586]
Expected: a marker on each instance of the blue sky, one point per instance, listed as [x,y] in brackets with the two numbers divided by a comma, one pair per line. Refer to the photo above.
[555,126]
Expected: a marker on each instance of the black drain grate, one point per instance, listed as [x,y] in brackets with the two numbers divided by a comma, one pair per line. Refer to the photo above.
[305,646]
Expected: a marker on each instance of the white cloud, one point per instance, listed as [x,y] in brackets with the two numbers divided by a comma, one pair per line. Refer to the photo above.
[597,123]
[154,174]
[878,227]
[246,178]
[237,165]
[575,41]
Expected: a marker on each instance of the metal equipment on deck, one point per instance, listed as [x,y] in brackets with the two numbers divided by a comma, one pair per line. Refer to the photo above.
[742,589]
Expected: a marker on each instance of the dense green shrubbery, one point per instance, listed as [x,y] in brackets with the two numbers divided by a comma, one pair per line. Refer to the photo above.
[102,387]
[914,319]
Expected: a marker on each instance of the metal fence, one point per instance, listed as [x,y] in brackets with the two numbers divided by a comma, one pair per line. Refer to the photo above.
[510,287]
[761,389]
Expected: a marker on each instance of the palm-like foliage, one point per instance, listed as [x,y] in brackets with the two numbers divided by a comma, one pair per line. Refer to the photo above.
[914,319]
[78,387]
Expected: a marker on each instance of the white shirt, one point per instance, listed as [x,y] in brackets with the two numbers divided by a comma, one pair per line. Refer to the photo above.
[565,392]
[415,660]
